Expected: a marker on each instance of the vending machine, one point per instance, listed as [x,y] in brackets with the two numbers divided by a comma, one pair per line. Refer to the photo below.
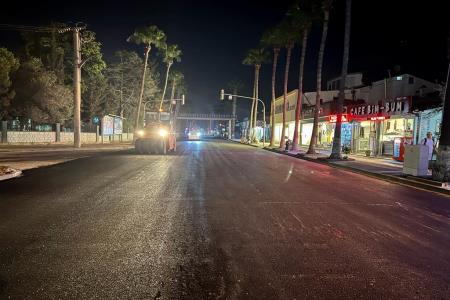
[399,147]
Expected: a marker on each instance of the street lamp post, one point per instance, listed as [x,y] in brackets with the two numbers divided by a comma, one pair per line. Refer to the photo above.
[230,97]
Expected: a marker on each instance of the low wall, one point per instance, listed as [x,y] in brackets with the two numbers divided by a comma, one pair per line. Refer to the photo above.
[17,137]
[31,137]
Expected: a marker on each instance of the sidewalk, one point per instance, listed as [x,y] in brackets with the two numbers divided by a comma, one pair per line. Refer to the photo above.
[380,167]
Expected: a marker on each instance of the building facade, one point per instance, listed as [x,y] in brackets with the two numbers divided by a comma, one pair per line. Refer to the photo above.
[375,117]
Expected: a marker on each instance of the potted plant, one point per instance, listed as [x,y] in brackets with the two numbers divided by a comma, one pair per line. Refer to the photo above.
[368,153]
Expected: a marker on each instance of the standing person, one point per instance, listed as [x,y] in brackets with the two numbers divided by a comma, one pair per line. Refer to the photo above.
[429,142]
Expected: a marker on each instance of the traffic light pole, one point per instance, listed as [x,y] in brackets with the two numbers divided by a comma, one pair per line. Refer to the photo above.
[222,97]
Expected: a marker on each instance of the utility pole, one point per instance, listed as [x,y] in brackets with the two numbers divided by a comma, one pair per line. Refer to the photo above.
[76,87]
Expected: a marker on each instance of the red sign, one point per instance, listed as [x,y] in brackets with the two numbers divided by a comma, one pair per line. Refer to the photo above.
[334,118]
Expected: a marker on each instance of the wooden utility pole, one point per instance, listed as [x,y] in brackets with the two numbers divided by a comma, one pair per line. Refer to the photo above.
[76,87]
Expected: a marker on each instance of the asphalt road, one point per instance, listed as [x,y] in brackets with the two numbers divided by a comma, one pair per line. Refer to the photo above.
[218,220]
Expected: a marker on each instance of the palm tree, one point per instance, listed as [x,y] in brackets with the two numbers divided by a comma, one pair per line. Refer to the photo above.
[255,57]
[235,86]
[336,152]
[176,79]
[289,37]
[272,38]
[302,21]
[441,171]
[171,54]
[148,36]
[326,7]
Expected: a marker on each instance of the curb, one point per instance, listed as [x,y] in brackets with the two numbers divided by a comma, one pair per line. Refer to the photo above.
[16,173]
[389,178]
[251,145]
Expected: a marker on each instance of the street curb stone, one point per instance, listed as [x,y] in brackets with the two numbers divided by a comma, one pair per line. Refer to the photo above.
[16,173]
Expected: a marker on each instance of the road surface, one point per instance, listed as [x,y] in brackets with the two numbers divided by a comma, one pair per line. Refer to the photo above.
[218,220]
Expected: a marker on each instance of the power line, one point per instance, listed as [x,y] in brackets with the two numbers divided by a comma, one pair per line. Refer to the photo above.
[60,29]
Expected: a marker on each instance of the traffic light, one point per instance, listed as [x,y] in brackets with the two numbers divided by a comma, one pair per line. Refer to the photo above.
[222,94]
[182,99]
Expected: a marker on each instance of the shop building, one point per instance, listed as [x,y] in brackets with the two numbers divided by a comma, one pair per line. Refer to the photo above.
[369,126]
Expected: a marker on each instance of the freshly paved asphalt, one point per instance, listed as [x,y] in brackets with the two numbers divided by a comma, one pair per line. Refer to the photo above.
[218,220]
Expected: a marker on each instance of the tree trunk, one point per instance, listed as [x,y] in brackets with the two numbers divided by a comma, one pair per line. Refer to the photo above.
[165,86]
[257,68]
[298,109]
[285,91]
[250,129]
[276,52]
[141,93]
[172,96]
[336,152]
[441,170]
[312,144]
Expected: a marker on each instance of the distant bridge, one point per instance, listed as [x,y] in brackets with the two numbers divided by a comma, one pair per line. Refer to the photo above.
[206,117]
[210,117]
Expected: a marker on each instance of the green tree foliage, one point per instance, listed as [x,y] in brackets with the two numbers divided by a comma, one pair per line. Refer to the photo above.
[94,88]
[54,49]
[171,54]
[39,95]
[149,36]
[8,65]
[124,77]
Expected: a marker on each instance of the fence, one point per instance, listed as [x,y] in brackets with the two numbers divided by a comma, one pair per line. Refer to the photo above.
[13,135]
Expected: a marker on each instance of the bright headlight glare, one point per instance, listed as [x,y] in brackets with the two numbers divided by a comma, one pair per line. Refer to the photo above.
[162,132]
[140,132]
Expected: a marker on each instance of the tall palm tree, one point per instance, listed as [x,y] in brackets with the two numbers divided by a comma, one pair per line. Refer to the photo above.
[441,171]
[235,86]
[150,35]
[171,54]
[289,37]
[326,7]
[255,57]
[301,20]
[336,152]
[272,38]
[176,79]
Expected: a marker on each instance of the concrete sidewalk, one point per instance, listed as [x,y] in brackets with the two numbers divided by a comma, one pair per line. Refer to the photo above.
[379,167]
[24,157]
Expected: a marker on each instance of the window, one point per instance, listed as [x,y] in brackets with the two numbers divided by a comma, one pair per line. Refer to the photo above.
[398,78]
[411,80]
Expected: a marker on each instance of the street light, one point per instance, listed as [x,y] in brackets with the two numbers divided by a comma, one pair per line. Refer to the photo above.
[230,97]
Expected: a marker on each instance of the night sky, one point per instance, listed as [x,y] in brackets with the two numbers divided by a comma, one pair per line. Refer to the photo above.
[215,35]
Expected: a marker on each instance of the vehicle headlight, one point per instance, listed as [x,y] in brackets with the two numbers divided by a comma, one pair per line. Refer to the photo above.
[162,132]
[140,132]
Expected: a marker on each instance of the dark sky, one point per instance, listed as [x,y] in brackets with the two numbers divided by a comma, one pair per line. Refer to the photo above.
[215,35]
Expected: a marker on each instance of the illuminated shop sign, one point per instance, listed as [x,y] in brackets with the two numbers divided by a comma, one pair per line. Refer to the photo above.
[397,107]
[334,118]
[378,118]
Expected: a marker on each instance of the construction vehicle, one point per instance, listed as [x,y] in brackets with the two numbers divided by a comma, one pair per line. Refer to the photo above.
[157,136]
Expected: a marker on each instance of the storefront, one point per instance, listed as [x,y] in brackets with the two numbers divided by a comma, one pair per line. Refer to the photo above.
[325,134]
[376,127]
